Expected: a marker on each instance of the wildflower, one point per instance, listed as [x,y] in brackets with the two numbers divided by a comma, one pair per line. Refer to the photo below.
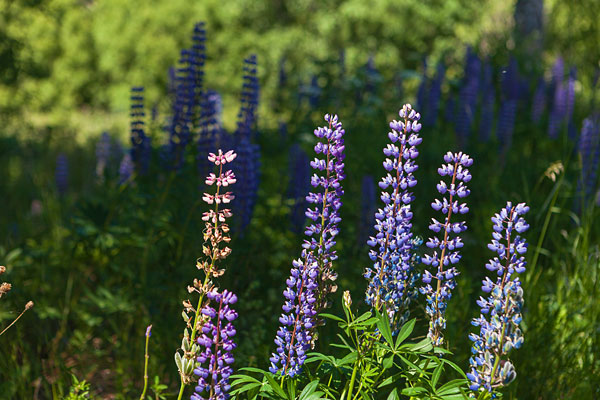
[486,120]
[539,101]
[216,342]
[589,151]
[390,278]
[215,248]
[508,107]
[102,154]
[456,166]
[248,165]
[126,168]
[468,97]
[311,276]
[61,173]
[501,312]
[140,142]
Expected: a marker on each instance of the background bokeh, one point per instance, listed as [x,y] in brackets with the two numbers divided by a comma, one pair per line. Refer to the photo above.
[509,82]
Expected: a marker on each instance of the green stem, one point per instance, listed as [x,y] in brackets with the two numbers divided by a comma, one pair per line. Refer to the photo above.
[352,379]
[146,358]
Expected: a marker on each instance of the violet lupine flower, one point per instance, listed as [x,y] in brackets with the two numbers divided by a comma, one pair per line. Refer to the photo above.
[103,153]
[295,335]
[248,165]
[559,99]
[311,277]
[390,278]
[508,108]
[435,96]
[539,101]
[488,101]
[126,168]
[61,174]
[210,129]
[570,103]
[589,151]
[216,341]
[456,167]
[501,312]
[468,97]
[140,142]
[326,214]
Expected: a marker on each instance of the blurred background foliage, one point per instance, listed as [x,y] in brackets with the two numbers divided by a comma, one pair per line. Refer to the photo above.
[104,259]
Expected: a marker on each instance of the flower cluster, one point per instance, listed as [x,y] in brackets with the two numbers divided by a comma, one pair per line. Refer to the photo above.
[456,166]
[215,248]
[499,331]
[294,336]
[392,272]
[325,216]
[140,143]
[311,276]
[61,173]
[4,286]
[589,151]
[216,340]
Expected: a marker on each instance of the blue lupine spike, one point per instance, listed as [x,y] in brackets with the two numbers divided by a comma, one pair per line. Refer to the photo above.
[311,276]
[209,129]
[508,107]
[570,104]
[589,151]
[103,153]
[61,174]
[488,103]
[539,101]
[126,169]
[392,277]
[467,97]
[500,312]
[455,167]
[140,143]
[434,96]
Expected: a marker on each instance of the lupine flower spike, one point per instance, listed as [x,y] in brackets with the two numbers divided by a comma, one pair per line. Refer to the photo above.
[501,312]
[213,378]
[312,276]
[456,166]
[216,340]
[391,278]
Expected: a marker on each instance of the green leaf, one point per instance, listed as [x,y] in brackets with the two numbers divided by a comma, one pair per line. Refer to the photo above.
[275,386]
[383,324]
[451,387]
[309,389]
[388,362]
[455,367]
[435,377]
[413,391]
[405,332]
[393,395]
[331,316]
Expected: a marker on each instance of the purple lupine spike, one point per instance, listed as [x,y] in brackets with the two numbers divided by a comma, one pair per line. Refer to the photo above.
[539,101]
[103,153]
[422,90]
[210,129]
[299,185]
[570,104]
[61,174]
[559,99]
[126,168]
[501,312]
[326,214]
[367,209]
[312,275]
[467,97]
[455,167]
[248,165]
[391,277]
[140,143]
[508,107]
[434,96]
[216,342]
[589,151]
[488,102]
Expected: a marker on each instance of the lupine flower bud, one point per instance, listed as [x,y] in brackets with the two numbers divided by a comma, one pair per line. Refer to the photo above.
[456,168]
[140,142]
[391,279]
[501,312]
